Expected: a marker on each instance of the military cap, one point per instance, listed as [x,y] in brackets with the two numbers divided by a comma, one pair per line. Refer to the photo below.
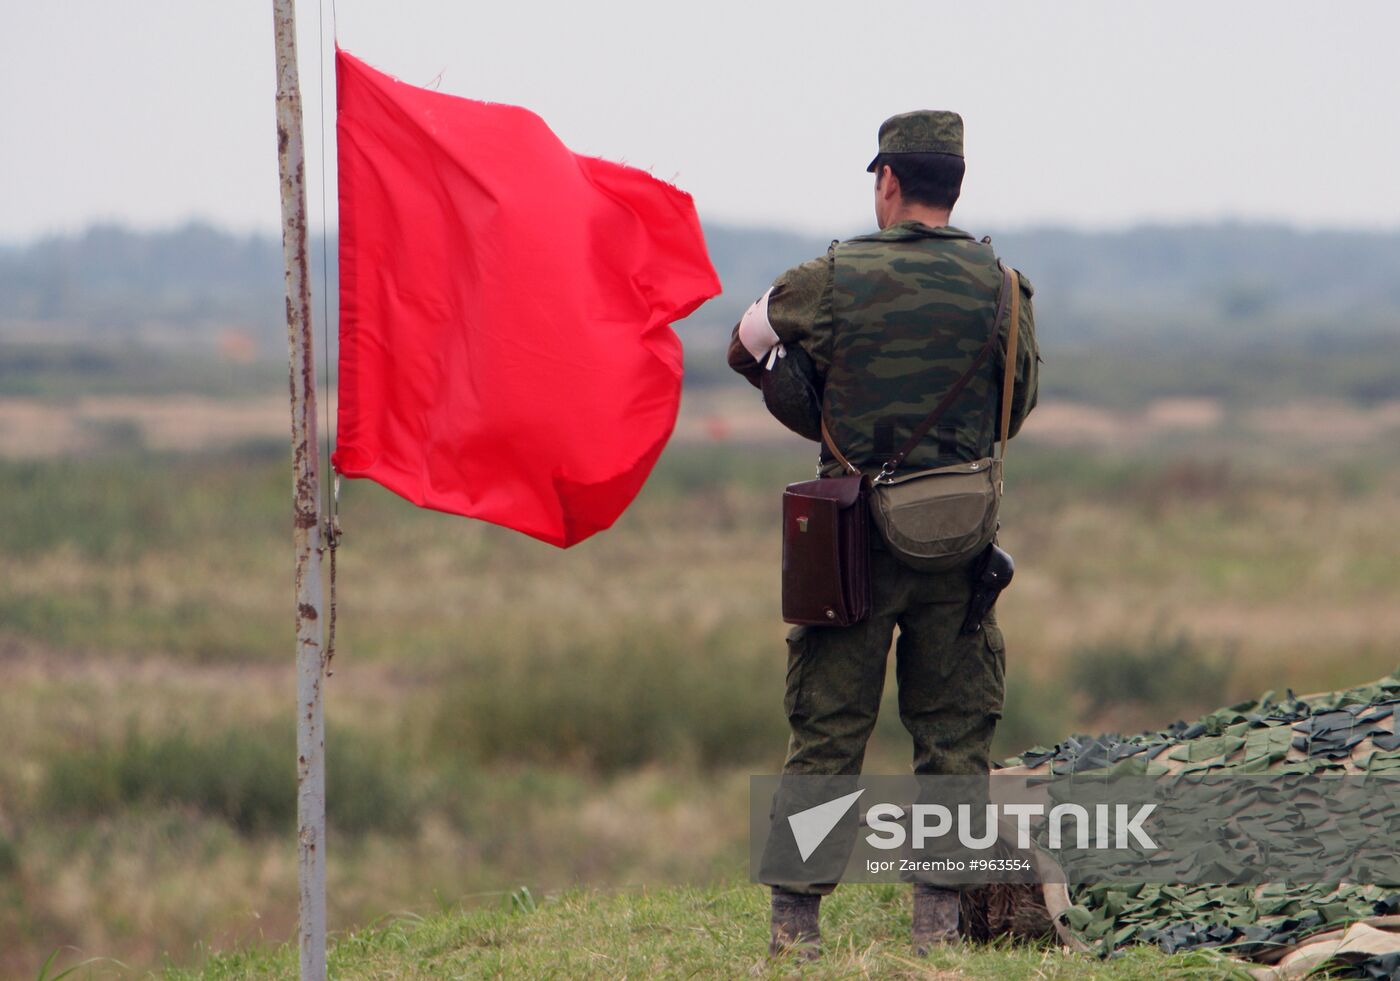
[922,131]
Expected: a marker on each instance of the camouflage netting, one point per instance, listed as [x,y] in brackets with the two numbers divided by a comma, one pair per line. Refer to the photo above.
[1292,928]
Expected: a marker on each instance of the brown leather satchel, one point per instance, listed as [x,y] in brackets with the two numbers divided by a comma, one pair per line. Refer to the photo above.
[826,551]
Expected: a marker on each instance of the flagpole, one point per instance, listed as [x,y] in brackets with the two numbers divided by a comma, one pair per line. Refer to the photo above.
[306,508]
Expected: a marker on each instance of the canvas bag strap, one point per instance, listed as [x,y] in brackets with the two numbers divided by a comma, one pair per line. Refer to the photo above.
[1008,382]
[922,429]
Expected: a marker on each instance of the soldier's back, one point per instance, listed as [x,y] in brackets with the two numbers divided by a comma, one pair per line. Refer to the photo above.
[911,306]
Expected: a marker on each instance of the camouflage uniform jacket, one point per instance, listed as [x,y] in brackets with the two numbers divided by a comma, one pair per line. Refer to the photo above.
[890,320]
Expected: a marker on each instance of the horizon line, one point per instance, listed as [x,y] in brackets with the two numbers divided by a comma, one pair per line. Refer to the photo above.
[131,226]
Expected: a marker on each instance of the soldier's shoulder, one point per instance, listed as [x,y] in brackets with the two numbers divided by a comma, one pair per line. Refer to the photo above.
[811,274]
[796,301]
[1027,287]
[856,243]
[883,245]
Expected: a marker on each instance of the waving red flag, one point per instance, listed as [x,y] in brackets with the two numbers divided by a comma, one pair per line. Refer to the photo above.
[505,310]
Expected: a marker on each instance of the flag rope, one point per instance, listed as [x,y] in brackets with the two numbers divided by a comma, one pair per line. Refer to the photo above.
[331,481]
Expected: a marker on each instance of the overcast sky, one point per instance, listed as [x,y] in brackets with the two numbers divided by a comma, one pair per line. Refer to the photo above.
[1097,114]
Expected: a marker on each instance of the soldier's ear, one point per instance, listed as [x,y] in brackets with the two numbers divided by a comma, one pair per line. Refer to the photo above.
[887,182]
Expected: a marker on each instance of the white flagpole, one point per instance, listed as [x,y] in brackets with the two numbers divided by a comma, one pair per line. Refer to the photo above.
[306,508]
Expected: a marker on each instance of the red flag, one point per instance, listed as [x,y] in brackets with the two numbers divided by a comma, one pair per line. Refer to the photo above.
[505,310]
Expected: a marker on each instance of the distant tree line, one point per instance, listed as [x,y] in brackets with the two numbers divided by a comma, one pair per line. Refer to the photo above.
[1230,284]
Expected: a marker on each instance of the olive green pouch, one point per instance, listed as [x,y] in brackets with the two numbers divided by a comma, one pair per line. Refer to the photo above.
[935,520]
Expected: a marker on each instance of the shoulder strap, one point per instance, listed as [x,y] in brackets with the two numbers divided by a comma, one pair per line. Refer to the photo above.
[1008,291]
[1008,381]
[831,444]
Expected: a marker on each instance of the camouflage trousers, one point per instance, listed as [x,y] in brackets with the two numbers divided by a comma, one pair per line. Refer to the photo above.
[951,685]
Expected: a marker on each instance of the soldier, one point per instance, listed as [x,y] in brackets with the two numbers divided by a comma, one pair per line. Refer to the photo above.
[877,330]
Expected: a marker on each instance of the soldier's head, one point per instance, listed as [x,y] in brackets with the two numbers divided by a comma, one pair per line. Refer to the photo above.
[919,168]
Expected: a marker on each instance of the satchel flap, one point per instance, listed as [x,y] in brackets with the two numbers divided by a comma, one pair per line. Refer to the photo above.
[973,467]
[844,491]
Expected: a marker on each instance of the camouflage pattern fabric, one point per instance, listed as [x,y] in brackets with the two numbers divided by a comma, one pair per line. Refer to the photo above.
[1352,731]
[910,308]
[922,131]
[890,320]
[951,685]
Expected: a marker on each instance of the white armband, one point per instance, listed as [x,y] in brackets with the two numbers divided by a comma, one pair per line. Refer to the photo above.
[757,334]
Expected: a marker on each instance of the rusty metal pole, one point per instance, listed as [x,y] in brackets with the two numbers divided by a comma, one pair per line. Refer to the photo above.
[306,508]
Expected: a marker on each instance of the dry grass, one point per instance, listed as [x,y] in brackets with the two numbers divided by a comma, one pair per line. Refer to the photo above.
[45,429]
[154,590]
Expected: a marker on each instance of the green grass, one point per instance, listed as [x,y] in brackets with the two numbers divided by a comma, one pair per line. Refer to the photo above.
[243,775]
[1168,671]
[681,933]
[610,704]
[533,696]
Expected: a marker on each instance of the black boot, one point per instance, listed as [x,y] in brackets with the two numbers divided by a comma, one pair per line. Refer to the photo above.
[795,925]
[935,917]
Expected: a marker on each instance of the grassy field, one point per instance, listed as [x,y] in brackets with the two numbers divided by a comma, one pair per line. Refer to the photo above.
[717,932]
[506,715]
